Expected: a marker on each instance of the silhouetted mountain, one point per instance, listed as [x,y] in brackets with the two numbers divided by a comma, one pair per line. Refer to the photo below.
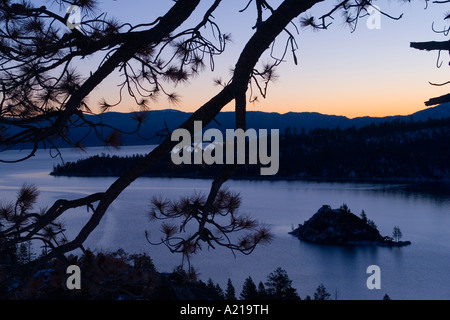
[390,151]
[294,122]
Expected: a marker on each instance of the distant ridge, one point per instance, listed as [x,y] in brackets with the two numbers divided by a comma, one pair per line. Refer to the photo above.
[294,121]
[396,151]
[255,119]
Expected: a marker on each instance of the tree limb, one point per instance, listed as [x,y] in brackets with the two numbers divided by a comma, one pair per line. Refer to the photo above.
[431,45]
[438,100]
[250,55]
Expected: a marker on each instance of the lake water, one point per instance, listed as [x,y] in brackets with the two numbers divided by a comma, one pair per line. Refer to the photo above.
[418,271]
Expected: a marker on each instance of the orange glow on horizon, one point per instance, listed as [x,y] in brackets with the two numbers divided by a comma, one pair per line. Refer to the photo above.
[326,104]
[378,102]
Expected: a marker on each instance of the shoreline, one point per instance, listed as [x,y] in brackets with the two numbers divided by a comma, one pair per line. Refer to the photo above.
[387,244]
[401,180]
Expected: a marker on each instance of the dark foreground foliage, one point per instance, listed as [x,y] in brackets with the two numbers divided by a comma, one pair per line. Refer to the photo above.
[120,276]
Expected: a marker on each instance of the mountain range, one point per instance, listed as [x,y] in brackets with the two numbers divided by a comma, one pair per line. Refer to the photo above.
[158,120]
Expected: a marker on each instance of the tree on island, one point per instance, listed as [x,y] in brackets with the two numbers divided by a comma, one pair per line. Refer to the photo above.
[397,234]
[44,94]
[363,216]
[370,222]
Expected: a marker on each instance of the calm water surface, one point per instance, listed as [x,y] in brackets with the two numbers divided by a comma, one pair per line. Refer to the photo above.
[422,211]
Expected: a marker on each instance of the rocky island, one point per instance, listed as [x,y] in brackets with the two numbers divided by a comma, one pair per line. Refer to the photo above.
[342,227]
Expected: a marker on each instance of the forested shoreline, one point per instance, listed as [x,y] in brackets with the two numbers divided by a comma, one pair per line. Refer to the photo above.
[390,151]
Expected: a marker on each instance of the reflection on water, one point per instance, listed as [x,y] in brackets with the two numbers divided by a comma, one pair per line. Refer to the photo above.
[437,191]
[422,211]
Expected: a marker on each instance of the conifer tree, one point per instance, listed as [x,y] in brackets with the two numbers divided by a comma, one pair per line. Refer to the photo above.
[249,291]
[230,293]
[279,286]
[321,293]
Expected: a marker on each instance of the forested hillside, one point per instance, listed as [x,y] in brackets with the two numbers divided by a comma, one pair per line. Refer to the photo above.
[390,151]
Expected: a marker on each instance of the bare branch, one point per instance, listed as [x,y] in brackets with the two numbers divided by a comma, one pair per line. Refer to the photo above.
[431,45]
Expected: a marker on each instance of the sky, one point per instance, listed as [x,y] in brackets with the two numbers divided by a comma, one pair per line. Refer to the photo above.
[368,72]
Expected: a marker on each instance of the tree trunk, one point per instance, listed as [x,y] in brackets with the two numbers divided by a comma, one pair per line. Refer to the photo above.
[255,47]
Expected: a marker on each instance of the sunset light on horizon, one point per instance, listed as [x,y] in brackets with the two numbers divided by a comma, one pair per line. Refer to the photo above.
[368,72]
[225,155]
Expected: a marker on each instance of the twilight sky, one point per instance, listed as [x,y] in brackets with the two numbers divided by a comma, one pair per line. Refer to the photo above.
[369,72]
